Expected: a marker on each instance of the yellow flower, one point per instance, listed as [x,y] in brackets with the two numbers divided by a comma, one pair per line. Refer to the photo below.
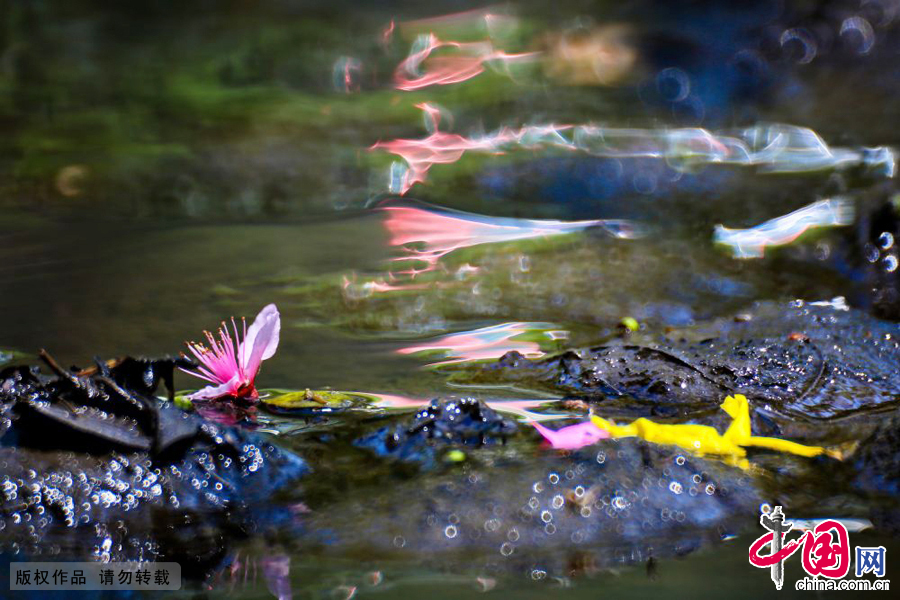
[704,440]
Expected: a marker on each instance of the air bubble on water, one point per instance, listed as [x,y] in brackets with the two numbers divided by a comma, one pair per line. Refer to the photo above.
[675,487]
[805,39]
[673,84]
[861,32]
[870,252]
[644,183]
[524,263]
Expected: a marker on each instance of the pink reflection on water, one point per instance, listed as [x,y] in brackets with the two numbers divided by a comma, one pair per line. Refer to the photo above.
[242,574]
[388,33]
[438,148]
[432,115]
[484,343]
[380,286]
[466,62]
[447,148]
[429,235]
[227,412]
[277,572]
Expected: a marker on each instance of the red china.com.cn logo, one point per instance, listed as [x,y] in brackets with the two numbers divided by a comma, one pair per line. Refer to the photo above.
[825,555]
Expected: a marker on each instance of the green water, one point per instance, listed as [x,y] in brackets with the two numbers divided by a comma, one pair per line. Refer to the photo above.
[165,167]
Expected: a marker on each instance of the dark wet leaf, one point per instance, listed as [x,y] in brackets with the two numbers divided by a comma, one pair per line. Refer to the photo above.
[94,452]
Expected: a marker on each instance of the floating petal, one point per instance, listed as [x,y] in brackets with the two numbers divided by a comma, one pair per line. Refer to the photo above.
[572,437]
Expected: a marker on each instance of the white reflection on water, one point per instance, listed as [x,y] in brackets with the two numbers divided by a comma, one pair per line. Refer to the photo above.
[752,243]
[773,148]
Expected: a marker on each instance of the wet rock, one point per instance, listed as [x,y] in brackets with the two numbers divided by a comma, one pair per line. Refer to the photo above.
[841,361]
[877,461]
[651,376]
[619,502]
[442,423]
[876,474]
[92,465]
[800,361]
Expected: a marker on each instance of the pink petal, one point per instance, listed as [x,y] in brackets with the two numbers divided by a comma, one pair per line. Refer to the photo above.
[261,340]
[211,392]
[572,437]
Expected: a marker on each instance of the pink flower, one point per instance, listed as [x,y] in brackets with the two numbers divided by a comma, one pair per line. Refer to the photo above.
[231,365]
[572,437]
